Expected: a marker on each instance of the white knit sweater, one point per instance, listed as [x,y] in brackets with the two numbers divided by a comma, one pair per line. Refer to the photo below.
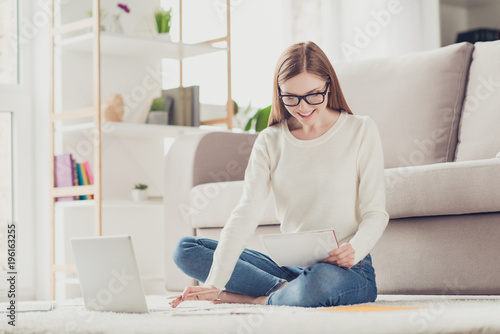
[335,181]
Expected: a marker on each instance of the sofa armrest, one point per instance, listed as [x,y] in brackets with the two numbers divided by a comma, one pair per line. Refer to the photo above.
[193,159]
[449,188]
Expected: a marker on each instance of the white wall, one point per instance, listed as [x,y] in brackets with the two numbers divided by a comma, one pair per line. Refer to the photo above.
[453,19]
[18,99]
[486,16]
[40,84]
[467,15]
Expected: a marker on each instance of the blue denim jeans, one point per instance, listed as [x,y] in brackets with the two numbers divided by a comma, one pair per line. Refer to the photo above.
[255,274]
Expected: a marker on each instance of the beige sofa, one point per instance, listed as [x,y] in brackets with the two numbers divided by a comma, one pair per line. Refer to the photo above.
[438,114]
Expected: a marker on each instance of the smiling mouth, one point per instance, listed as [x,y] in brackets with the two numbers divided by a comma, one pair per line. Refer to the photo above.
[306,115]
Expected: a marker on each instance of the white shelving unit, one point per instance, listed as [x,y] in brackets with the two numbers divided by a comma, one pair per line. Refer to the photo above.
[120,153]
[110,204]
[131,153]
[130,46]
[133,130]
[143,221]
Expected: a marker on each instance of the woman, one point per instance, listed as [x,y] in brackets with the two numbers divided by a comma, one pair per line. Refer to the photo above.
[325,166]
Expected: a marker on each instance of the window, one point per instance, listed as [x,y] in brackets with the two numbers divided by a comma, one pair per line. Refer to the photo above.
[5,182]
[9,42]
[255,49]
[9,77]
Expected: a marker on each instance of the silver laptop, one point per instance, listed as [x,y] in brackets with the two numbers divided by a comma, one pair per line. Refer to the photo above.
[108,274]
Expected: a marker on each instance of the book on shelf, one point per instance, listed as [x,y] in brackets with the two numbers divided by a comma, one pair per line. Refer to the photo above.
[82,178]
[89,172]
[85,177]
[75,176]
[88,177]
[63,174]
[184,105]
[68,173]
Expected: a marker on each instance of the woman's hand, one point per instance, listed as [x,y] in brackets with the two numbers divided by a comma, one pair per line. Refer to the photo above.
[211,296]
[342,256]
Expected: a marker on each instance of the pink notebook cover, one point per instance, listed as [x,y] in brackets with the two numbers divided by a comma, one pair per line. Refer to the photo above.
[63,174]
[89,172]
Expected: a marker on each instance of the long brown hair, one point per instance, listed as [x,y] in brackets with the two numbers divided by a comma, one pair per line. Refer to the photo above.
[305,57]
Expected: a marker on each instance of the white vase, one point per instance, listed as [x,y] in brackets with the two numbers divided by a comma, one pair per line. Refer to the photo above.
[139,195]
[158,117]
[116,25]
[165,37]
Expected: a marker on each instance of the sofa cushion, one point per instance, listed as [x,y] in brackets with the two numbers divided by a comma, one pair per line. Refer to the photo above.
[479,133]
[450,188]
[211,204]
[415,99]
[439,255]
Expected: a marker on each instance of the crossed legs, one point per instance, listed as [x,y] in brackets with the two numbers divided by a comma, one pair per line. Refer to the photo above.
[257,279]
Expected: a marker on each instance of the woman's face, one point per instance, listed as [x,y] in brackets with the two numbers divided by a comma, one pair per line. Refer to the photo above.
[304,84]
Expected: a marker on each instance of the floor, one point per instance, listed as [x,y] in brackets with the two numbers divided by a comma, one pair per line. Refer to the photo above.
[428,314]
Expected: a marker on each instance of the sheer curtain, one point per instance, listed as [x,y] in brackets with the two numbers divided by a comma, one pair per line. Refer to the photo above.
[359,29]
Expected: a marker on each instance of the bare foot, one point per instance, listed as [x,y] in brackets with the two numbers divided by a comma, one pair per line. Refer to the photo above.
[229,297]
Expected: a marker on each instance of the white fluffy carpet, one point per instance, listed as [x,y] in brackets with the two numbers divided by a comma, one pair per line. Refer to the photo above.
[440,314]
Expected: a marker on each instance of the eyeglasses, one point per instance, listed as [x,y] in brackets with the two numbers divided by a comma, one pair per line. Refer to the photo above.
[312,99]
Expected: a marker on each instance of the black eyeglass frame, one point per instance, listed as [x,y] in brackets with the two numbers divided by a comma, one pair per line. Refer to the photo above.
[304,97]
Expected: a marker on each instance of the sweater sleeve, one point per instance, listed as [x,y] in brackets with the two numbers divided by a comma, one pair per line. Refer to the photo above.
[245,216]
[371,192]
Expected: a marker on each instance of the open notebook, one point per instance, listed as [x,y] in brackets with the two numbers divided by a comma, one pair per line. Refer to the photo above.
[299,249]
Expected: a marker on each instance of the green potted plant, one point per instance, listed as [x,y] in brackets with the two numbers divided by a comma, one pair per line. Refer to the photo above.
[241,118]
[259,119]
[158,113]
[102,15]
[163,19]
[140,192]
